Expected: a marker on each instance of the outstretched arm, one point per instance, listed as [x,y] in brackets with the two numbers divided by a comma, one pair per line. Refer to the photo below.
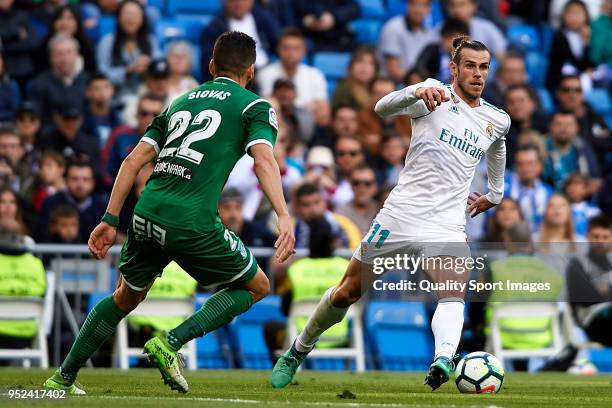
[415,101]
[103,236]
[268,174]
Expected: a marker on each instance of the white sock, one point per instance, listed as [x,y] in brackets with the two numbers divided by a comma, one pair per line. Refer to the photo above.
[446,325]
[324,317]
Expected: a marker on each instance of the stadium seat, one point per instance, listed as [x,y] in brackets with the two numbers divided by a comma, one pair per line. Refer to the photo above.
[536,66]
[366,30]
[547,103]
[546,34]
[192,7]
[391,326]
[106,25]
[247,337]
[171,29]
[524,37]
[599,99]
[372,9]
[332,64]
[602,358]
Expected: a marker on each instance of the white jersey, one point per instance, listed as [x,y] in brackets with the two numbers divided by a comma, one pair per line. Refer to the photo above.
[446,147]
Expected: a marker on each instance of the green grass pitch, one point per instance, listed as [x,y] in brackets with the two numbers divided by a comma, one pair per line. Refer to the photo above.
[239,388]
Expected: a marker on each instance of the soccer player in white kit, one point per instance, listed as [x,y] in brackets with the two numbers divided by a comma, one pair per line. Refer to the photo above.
[452,129]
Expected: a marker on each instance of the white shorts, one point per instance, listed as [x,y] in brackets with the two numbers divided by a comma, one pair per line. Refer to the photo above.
[389,236]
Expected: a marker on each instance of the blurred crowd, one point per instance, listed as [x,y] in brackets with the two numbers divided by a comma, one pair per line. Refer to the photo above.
[74,103]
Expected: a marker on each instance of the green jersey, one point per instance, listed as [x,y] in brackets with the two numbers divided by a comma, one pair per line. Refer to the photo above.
[199,138]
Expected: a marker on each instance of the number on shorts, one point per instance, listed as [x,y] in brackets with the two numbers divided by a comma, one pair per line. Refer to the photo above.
[382,235]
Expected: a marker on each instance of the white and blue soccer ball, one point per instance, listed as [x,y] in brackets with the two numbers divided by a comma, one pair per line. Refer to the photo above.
[479,373]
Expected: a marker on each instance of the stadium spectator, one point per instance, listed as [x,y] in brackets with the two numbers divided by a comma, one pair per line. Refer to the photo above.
[326,23]
[68,138]
[321,171]
[123,139]
[570,44]
[310,83]
[308,204]
[67,20]
[362,209]
[349,155]
[600,51]
[589,282]
[27,124]
[480,29]
[156,83]
[344,124]
[531,12]
[23,275]
[525,186]
[7,174]
[100,116]
[50,178]
[254,233]
[298,120]
[64,225]
[510,72]
[403,38]
[282,10]
[353,90]
[124,55]
[392,156]
[10,95]
[10,212]
[19,42]
[567,153]
[506,214]
[180,79]
[557,226]
[592,127]
[306,279]
[521,105]
[81,184]
[370,126]
[576,189]
[11,146]
[557,10]
[63,81]
[435,58]
[249,18]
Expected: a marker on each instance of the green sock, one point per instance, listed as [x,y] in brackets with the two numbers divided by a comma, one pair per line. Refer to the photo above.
[99,325]
[218,311]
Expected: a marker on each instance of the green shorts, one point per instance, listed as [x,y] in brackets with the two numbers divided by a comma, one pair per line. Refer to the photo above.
[214,258]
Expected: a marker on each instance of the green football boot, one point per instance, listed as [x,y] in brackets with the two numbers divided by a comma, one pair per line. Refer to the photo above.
[440,371]
[168,362]
[57,382]
[286,366]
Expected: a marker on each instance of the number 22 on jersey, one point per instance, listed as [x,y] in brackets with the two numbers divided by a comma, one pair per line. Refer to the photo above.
[208,119]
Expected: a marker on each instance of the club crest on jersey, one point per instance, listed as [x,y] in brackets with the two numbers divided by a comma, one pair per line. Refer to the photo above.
[489,130]
[272,118]
[454,109]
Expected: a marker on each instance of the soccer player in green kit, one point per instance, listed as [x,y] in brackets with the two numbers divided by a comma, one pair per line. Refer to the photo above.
[195,144]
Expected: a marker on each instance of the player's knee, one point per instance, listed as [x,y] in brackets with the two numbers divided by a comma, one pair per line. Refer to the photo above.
[261,289]
[127,299]
[345,295]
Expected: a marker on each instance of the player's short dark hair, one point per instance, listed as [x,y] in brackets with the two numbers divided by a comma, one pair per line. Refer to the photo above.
[234,52]
[453,26]
[97,76]
[306,189]
[63,211]
[464,41]
[599,221]
[292,32]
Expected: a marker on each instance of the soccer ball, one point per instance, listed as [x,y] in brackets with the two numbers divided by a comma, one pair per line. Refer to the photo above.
[479,372]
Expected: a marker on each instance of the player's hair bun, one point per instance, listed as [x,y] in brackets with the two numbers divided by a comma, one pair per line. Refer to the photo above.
[458,41]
